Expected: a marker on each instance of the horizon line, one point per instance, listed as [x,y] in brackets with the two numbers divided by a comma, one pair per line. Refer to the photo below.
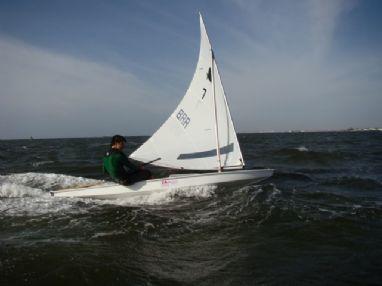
[350,129]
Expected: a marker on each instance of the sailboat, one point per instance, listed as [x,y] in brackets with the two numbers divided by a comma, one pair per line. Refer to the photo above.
[199,135]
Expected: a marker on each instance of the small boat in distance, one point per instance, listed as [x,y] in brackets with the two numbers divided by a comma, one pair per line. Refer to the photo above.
[199,135]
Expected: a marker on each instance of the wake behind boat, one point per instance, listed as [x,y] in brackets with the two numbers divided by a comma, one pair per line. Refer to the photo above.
[198,135]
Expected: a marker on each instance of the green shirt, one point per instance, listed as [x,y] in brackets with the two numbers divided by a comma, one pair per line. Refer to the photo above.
[117,165]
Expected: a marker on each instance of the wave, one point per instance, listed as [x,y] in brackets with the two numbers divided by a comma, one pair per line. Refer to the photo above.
[302,149]
[28,193]
[354,182]
[134,143]
[291,176]
[304,155]
[40,163]
[252,202]
[46,181]
[99,145]
[108,234]
[165,197]
[269,203]
[12,190]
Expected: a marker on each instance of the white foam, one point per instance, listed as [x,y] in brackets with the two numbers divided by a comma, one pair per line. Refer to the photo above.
[196,192]
[46,181]
[105,234]
[28,193]
[40,163]
[165,197]
[11,190]
[34,206]
[274,193]
[302,149]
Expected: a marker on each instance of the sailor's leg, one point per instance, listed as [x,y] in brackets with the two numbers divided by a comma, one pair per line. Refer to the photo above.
[137,176]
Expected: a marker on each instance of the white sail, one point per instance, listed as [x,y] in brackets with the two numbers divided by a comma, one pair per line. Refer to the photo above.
[187,140]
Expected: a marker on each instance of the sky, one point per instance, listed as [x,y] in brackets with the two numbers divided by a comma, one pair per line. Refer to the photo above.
[98,68]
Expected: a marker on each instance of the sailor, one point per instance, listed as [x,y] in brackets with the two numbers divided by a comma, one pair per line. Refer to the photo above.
[118,166]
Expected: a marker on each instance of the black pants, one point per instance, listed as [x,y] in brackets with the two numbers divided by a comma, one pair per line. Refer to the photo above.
[136,177]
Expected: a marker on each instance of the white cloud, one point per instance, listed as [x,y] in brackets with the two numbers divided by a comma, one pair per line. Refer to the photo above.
[46,94]
[324,17]
[288,78]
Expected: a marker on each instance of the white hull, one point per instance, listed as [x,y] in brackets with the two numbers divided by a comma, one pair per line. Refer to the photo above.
[114,191]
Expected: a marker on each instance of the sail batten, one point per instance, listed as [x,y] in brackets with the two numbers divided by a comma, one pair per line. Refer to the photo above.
[195,130]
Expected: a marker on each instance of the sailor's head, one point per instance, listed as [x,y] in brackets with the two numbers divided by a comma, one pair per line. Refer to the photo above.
[118,142]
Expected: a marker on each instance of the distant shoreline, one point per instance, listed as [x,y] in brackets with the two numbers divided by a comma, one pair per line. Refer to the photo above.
[317,131]
[255,132]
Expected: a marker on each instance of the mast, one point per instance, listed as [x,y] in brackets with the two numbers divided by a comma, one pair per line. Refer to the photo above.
[215,112]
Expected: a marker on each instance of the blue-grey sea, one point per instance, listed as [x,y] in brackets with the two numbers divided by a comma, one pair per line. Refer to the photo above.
[317,221]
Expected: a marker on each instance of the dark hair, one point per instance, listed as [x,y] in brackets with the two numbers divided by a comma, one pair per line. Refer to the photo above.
[117,139]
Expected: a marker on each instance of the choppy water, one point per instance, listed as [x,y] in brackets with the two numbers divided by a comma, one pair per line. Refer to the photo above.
[317,221]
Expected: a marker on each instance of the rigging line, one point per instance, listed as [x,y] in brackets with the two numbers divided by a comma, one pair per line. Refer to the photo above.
[215,113]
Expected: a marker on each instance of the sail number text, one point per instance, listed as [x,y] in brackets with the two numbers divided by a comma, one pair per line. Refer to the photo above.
[183,118]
